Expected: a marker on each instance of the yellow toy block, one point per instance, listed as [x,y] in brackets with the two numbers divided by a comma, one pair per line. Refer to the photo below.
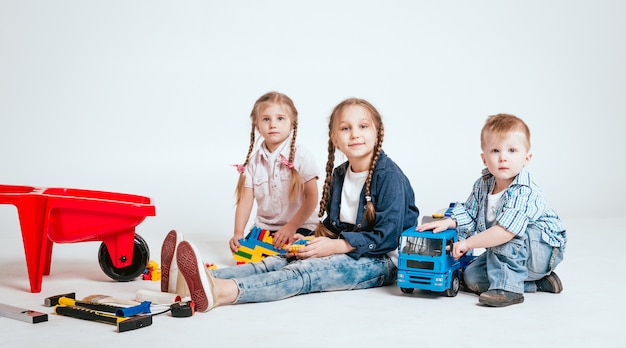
[152,265]
[156,275]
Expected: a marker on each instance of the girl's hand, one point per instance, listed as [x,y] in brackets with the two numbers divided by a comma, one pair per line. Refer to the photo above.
[296,237]
[437,225]
[283,236]
[322,247]
[234,243]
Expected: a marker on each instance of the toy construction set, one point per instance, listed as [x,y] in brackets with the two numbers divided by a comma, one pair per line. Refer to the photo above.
[258,244]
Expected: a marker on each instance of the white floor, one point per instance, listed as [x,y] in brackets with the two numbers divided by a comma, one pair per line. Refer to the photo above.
[590,311]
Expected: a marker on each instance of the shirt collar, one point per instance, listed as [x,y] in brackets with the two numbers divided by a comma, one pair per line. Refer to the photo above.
[283,149]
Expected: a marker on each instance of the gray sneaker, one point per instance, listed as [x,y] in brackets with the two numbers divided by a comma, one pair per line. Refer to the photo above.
[500,298]
[550,283]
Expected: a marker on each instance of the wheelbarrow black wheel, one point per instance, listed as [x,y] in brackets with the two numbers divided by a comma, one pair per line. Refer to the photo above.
[141,256]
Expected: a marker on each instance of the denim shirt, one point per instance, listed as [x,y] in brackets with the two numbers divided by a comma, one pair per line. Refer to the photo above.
[394,202]
[521,207]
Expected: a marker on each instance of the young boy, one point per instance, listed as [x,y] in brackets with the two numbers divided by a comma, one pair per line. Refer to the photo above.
[506,214]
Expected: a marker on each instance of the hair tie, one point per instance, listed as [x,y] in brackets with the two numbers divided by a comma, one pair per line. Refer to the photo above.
[240,168]
[284,161]
[368,198]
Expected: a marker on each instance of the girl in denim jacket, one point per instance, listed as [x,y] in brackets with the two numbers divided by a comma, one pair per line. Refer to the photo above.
[367,202]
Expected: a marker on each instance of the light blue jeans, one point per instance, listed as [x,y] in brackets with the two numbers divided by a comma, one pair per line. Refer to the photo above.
[513,266]
[275,278]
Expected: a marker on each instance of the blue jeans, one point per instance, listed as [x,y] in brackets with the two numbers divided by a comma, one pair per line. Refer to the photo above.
[513,266]
[275,278]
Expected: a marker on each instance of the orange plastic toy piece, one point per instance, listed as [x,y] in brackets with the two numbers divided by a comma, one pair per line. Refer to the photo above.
[65,215]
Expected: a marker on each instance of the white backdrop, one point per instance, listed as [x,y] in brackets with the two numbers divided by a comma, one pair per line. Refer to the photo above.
[153,97]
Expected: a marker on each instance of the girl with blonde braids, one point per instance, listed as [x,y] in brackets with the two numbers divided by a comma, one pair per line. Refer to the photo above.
[367,201]
[280,175]
[368,179]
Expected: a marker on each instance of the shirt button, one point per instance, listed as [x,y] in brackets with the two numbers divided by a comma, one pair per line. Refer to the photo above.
[371,246]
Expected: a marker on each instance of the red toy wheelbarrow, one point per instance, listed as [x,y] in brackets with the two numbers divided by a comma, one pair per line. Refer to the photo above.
[66,215]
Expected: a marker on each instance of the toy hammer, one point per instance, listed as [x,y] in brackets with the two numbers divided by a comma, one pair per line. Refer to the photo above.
[69,300]
[123,324]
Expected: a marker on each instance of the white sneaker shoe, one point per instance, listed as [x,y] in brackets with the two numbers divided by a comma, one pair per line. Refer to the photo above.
[200,283]
[169,267]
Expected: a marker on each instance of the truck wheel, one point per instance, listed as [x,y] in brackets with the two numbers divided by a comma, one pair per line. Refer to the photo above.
[407,290]
[455,285]
[141,254]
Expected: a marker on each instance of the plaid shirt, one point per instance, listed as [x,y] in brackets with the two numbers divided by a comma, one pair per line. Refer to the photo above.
[521,207]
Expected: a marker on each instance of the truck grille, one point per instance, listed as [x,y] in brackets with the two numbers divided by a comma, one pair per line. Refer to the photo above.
[420,264]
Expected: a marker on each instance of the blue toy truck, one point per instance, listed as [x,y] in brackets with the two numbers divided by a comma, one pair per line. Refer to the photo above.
[424,263]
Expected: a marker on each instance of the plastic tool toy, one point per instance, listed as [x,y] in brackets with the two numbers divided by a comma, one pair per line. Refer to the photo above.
[67,215]
[22,314]
[123,323]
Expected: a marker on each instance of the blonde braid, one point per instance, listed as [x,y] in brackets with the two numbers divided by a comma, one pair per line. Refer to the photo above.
[241,180]
[296,185]
[370,211]
[321,230]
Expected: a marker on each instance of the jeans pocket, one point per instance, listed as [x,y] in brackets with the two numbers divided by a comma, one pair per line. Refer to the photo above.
[510,249]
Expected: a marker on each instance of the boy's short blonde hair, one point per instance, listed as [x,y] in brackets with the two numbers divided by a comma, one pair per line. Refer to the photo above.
[501,124]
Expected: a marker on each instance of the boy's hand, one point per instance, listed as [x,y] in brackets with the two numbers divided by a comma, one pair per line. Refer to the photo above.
[437,225]
[459,249]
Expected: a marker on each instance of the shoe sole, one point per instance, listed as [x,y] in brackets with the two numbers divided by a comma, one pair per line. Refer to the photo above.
[168,252]
[555,281]
[494,303]
[200,284]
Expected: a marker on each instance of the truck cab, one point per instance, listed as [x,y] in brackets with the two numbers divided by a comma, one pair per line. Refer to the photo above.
[425,262]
